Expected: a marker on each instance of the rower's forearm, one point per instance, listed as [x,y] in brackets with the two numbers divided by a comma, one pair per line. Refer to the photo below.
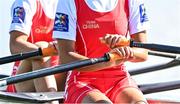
[21,47]
[140,55]
[72,56]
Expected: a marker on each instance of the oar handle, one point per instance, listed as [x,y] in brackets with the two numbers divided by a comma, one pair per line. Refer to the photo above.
[21,56]
[114,56]
[49,51]
[121,42]
[150,46]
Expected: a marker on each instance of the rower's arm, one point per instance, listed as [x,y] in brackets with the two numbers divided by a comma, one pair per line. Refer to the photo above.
[19,43]
[140,54]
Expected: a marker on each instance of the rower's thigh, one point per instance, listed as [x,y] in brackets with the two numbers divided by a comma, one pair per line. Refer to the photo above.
[26,86]
[60,80]
[41,63]
[130,95]
[47,83]
[96,97]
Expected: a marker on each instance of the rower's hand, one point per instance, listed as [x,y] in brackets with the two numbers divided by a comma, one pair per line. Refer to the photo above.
[119,45]
[125,53]
[48,49]
[114,40]
[52,47]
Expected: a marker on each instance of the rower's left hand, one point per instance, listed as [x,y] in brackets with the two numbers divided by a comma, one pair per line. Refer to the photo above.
[125,52]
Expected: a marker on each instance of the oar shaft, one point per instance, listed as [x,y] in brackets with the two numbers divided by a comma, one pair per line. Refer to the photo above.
[50,71]
[49,51]
[158,87]
[162,54]
[20,56]
[3,75]
[156,47]
[155,67]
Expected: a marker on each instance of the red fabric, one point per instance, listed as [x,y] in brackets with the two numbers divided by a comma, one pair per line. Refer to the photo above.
[11,88]
[93,24]
[41,30]
[42,27]
[110,86]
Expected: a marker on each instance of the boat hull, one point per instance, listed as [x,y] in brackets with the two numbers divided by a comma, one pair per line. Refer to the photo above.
[40,98]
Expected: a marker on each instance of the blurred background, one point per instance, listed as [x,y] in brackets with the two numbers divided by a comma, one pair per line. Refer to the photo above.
[164,16]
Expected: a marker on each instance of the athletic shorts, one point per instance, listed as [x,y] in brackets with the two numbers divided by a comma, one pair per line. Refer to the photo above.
[110,86]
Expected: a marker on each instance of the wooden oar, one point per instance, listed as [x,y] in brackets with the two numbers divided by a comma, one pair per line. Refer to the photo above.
[154,47]
[22,56]
[150,46]
[54,70]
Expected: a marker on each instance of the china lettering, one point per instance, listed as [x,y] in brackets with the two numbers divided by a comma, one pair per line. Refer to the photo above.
[41,30]
[90,25]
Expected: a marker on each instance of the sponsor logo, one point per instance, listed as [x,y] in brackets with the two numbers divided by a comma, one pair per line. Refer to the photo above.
[90,25]
[143,15]
[61,22]
[18,15]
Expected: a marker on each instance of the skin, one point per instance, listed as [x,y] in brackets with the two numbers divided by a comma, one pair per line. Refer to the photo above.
[126,53]
[19,44]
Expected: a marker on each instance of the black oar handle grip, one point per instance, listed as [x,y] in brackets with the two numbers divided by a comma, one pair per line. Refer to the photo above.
[40,51]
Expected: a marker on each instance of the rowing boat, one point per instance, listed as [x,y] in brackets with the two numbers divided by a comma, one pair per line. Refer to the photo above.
[33,98]
[45,97]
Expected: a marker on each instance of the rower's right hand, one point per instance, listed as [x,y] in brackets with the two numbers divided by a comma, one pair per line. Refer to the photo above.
[125,53]
[47,49]
[50,50]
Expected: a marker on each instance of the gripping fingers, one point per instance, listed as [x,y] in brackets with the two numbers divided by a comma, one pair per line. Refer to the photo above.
[115,40]
[49,51]
[114,56]
[128,52]
[124,52]
[112,40]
